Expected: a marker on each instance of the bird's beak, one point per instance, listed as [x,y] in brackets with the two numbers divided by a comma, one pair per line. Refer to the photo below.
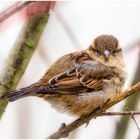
[106,54]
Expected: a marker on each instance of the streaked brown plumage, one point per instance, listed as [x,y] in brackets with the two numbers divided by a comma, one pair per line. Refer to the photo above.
[81,81]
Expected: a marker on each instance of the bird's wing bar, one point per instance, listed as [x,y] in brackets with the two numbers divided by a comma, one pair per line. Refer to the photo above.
[80,78]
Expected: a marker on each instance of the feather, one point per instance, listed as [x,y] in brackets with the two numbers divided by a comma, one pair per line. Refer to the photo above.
[17,94]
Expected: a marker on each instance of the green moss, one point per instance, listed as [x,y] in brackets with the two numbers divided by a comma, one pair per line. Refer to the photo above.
[21,54]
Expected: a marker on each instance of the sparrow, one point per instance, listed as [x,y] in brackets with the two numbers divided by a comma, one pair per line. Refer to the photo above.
[80,82]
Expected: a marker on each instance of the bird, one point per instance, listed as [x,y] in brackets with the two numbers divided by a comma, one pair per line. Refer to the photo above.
[82,81]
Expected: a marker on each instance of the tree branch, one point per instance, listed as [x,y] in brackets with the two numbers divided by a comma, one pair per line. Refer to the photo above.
[21,53]
[68,29]
[63,132]
[136,123]
[120,113]
[13,9]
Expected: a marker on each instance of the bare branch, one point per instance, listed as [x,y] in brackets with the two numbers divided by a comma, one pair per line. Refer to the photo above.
[13,9]
[120,113]
[68,29]
[82,120]
[133,118]
[21,53]
[133,46]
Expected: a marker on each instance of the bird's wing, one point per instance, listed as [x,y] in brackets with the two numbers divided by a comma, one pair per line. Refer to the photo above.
[63,64]
[88,76]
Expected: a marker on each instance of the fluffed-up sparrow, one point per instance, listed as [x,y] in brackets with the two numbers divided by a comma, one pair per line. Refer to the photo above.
[80,82]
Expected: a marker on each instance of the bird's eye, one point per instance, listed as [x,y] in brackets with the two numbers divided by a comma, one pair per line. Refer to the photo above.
[94,50]
[118,50]
[114,51]
[97,51]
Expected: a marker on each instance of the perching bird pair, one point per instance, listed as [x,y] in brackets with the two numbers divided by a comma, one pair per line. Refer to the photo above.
[79,82]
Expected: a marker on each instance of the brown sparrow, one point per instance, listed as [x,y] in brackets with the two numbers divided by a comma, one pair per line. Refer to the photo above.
[80,82]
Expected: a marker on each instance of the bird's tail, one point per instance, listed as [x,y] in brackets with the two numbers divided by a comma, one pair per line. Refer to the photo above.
[17,94]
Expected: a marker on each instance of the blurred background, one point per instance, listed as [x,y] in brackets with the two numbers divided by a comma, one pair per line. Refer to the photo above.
[72,26]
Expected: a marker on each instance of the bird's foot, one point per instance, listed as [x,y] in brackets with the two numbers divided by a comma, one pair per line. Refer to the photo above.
[102,106]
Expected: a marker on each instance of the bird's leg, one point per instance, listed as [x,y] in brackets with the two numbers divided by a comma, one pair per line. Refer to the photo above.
[85,116]
[63,125]
[102,106]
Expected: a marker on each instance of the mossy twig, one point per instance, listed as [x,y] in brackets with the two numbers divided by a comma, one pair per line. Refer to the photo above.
[21,54]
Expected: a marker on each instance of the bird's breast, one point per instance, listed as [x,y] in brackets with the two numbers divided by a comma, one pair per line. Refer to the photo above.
[79,105]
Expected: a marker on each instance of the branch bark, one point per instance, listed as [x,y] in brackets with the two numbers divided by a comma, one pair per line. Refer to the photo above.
[21,53]
[13,9]
[64,131]
[124,113]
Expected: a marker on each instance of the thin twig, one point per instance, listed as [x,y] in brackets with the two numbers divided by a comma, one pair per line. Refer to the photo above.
[136,123]
[120,113]
[67,29]
[82,120]
[121,126]
[133,46]
[13,9]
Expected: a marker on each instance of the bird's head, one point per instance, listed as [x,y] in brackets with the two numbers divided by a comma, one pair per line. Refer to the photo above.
[105,48]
